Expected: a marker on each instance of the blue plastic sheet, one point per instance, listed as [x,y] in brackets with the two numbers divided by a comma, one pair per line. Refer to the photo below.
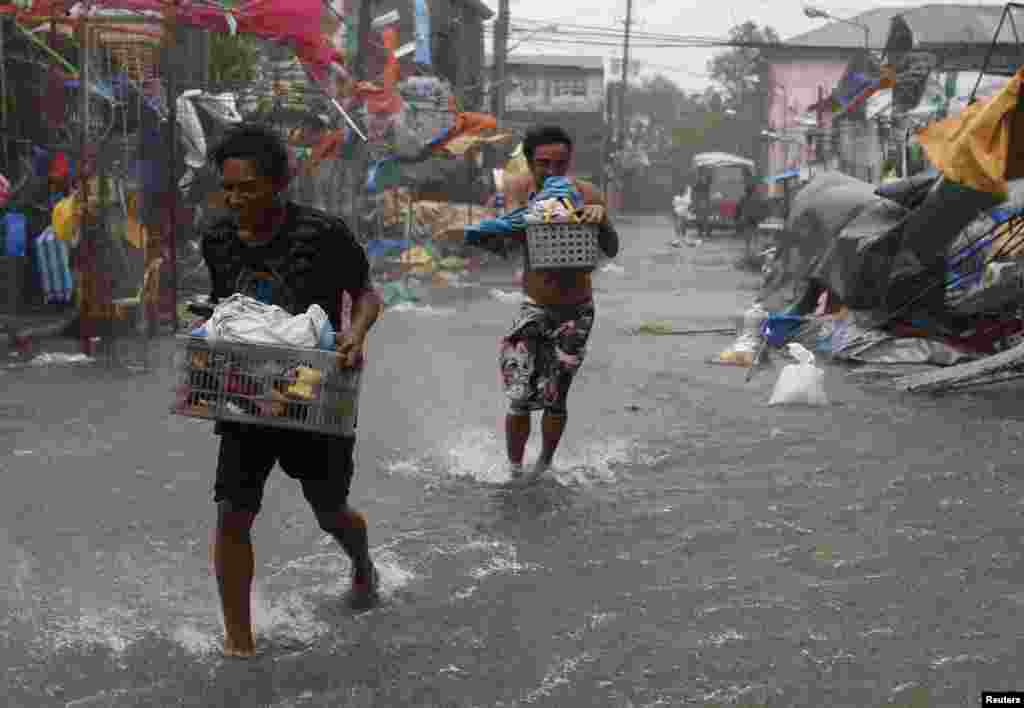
[384,246]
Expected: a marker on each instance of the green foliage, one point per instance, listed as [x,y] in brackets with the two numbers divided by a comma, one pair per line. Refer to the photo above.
[735,69]
[232,58]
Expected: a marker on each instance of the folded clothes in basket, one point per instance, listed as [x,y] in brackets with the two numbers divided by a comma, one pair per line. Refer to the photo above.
[559,199]
[246,320]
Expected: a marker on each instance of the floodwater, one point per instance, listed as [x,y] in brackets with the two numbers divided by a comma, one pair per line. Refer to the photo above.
[694,547]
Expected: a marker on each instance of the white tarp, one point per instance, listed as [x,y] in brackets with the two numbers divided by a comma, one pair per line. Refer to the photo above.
[720,159]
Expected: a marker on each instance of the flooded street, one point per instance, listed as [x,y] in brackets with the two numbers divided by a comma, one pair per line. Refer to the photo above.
[696,546]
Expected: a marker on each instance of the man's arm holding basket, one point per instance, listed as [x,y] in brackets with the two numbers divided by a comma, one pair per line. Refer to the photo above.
[595,211]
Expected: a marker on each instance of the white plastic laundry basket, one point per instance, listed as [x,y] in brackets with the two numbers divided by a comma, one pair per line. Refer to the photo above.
[562,245]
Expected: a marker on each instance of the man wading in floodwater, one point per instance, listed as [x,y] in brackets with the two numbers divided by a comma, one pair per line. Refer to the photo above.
[546,345]
[292,256]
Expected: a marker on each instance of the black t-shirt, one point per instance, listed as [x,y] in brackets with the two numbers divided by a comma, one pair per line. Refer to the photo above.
[312,258]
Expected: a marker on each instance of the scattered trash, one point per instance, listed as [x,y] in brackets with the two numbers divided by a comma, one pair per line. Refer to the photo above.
[747,347]
[676,243]
[59,358]
[802,382]
[613,268]
[666,328]
[509,298]
[397,292]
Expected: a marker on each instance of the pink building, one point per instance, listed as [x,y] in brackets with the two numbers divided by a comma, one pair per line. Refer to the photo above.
[808,67]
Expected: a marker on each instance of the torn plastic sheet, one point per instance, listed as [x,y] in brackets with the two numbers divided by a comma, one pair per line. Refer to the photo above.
[878,347]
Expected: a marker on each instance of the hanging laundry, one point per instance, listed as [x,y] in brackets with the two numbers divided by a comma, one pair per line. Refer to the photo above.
[465,124]
[222,107]
[192,135]
[392,69]
[65,221]
[54,268]
[135,231]
[383,174]
[51,103]
[60,167]
[423,33]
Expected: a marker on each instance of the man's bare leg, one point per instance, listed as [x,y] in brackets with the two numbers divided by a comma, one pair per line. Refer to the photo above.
[552,426]
[349,528]
[517,432]
[234,564]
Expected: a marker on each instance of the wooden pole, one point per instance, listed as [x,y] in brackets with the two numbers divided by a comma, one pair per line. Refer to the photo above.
[3,92]
[169,246]
[361,152]
[87,258]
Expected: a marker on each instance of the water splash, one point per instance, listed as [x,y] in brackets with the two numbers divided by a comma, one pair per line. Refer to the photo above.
[478,454]
[426,310]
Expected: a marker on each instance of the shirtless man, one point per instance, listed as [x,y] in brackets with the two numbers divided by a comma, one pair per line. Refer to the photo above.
[546,345]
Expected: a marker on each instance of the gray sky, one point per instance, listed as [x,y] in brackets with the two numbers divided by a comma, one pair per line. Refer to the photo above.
[683,17]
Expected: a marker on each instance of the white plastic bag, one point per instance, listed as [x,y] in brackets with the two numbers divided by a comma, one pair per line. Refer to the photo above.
[800,383]
[244,319]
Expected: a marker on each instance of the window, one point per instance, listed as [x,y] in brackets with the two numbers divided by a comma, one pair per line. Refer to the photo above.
[569,87]
[527,85]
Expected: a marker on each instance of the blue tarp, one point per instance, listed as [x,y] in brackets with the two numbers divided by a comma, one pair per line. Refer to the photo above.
[384,246]
[788,174]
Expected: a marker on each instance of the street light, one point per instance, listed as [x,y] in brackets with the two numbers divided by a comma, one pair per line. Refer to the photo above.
[818,14]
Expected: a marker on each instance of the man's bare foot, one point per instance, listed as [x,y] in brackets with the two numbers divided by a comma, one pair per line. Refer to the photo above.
[239,650]
[540,468]
[365,591]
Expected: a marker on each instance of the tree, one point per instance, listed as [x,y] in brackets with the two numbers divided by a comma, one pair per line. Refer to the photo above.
[735,69]
[232,58]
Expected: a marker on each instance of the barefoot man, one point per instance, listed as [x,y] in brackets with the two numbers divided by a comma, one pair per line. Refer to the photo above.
[546,345]
[288,255]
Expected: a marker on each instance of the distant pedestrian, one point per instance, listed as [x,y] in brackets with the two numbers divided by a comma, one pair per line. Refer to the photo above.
[545,347]
[702,202]
[292,256]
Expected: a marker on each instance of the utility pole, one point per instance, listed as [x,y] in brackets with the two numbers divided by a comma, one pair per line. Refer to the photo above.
[625,74]
[500,55]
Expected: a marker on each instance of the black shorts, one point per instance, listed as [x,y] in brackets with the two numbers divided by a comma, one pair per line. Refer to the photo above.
[323,464]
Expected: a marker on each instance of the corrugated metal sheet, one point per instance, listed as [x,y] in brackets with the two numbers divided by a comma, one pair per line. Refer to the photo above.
[931,24]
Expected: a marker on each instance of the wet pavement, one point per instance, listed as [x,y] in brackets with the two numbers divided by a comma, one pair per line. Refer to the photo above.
[695,546]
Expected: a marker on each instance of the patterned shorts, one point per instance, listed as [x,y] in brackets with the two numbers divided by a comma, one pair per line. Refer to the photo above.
[542,353]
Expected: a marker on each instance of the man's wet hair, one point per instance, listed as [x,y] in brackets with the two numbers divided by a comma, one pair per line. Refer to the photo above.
[544,135]
[256,143]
